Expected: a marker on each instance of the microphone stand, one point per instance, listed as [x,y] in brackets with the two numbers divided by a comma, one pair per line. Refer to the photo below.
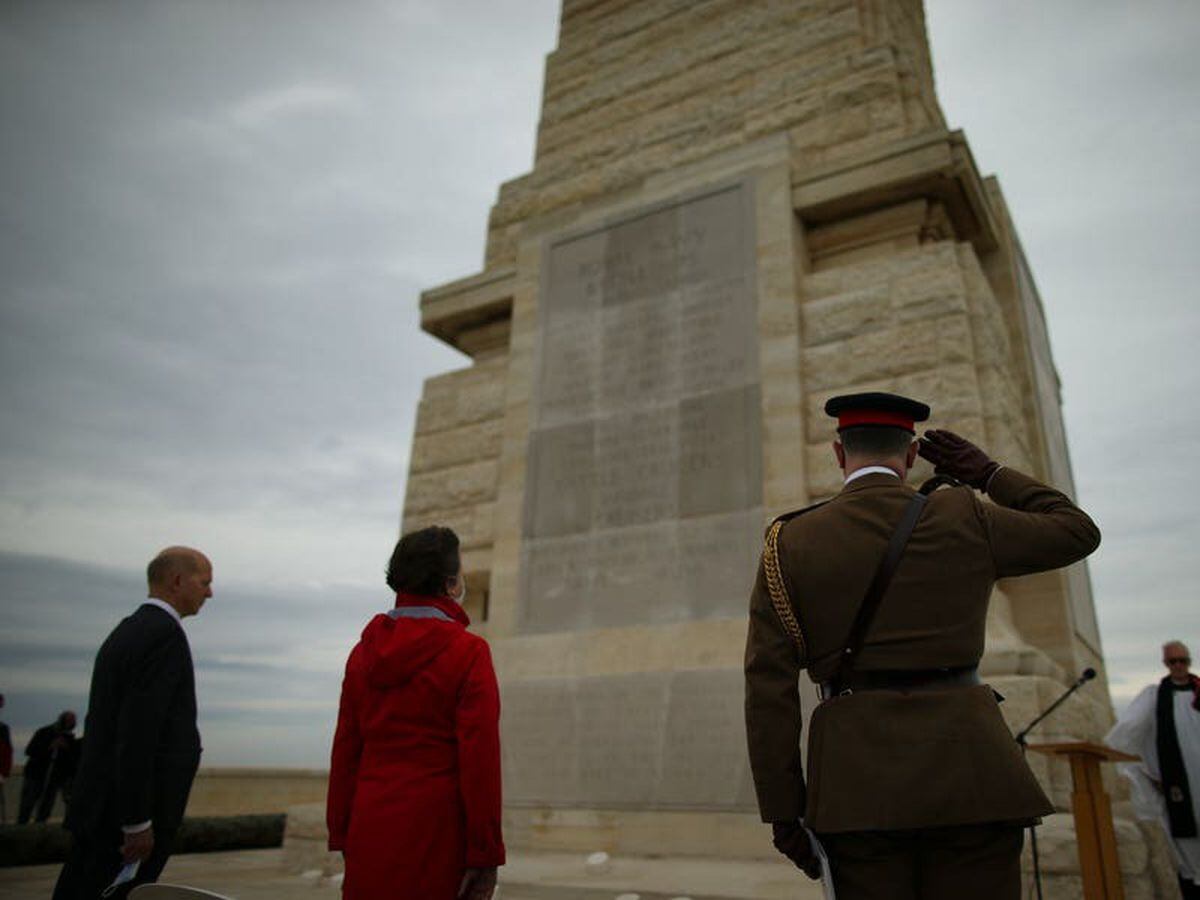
[1088,675]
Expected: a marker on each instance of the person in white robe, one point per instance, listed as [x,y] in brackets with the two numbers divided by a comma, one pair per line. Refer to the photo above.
[1165,784]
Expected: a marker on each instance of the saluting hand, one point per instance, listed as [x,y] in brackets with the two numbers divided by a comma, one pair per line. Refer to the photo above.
[478,884]
[792,841]
[957,457]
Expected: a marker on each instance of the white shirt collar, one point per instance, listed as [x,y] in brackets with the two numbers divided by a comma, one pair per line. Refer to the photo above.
[154,601]
[870,470]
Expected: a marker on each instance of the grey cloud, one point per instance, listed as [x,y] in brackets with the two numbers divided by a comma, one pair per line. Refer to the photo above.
[217,227]
[1085,111]
[270,658]
[215,220]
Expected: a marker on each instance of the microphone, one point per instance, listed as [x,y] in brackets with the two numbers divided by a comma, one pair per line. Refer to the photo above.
[1085,676]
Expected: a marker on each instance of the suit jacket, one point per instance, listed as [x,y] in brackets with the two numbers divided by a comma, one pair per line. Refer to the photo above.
[6,751]
[37,751]
[43,758]
[896,759]
[141,748]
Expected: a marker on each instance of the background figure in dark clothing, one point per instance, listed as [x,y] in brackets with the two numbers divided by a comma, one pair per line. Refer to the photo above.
[6,757]
[50,761]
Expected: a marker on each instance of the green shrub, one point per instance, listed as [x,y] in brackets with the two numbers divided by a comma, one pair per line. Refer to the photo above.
[32,845]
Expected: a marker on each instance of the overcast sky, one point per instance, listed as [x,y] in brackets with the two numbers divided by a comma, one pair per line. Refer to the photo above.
[215,220]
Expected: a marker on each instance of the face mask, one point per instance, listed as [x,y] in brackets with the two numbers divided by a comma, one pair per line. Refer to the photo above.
[462,595]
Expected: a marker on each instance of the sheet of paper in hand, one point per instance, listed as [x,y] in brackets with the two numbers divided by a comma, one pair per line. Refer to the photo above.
[127,874]
[826,874]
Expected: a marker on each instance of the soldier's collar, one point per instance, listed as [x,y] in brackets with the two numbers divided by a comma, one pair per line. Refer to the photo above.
[868,470]
[874,480]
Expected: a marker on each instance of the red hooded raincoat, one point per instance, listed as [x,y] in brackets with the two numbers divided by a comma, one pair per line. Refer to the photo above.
[414,782]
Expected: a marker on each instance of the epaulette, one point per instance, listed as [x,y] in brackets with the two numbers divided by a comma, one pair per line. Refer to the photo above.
[786,517]
[776,589]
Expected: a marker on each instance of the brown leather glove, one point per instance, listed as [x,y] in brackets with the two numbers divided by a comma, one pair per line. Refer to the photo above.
[792,841]
[957,457]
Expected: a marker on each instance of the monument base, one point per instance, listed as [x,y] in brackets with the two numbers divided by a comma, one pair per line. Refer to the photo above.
[548,847]
[624,832]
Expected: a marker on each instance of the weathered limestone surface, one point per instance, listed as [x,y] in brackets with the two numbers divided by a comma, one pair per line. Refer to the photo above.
[644,493]
[738,209]
[453,472]
[636,89]
[593,661]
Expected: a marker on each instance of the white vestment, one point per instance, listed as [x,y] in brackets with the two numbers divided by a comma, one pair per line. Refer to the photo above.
[1136,732]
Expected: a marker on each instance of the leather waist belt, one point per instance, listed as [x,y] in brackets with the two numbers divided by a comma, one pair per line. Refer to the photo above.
[902,680]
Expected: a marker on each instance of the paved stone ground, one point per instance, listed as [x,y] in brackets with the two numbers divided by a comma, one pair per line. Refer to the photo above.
[259,875]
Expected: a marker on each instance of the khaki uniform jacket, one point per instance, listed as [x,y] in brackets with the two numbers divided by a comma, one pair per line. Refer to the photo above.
[884,760]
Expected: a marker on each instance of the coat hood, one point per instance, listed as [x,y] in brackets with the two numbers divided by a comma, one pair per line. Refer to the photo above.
[400,644]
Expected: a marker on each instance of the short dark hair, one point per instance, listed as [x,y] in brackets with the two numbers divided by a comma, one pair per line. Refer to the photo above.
[875,440]
[423,561]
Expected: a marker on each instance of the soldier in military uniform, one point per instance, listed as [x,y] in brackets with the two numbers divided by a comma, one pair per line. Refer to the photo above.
[915,786]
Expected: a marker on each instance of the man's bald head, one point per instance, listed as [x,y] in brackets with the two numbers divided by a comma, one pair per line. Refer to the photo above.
[1178,661]
[171,562]
[182,577]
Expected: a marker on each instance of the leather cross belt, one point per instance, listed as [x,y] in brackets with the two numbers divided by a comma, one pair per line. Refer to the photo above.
[903,680]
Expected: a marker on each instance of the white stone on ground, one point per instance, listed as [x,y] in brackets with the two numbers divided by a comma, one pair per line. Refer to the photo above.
[597,863]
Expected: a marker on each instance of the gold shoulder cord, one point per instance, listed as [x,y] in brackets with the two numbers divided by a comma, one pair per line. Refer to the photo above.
[778,592]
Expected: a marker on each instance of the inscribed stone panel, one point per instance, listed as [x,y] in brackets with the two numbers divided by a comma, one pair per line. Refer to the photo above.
[635,577]
[562,460]
[720,469]
[718,559]
[641,262]
[709,250]
[646,415]
[639,345]
[539,740]
[718,342]
[636,458]
[704,751]
[555,572]
[576,279]
[620,726]
[647,740]
[570,375]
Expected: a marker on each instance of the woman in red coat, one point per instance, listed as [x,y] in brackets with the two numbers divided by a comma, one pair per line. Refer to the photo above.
[414,782]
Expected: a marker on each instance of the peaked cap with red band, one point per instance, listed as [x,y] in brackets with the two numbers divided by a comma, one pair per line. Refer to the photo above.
[876,409]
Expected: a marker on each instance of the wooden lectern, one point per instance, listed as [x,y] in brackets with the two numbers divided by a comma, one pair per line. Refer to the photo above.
[1093,816]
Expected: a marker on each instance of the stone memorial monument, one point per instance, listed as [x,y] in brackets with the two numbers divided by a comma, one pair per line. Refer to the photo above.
[737,210]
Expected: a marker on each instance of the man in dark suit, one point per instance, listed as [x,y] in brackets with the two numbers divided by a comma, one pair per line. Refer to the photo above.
[915,786]
[141,748]
[6,758]
[50,760]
